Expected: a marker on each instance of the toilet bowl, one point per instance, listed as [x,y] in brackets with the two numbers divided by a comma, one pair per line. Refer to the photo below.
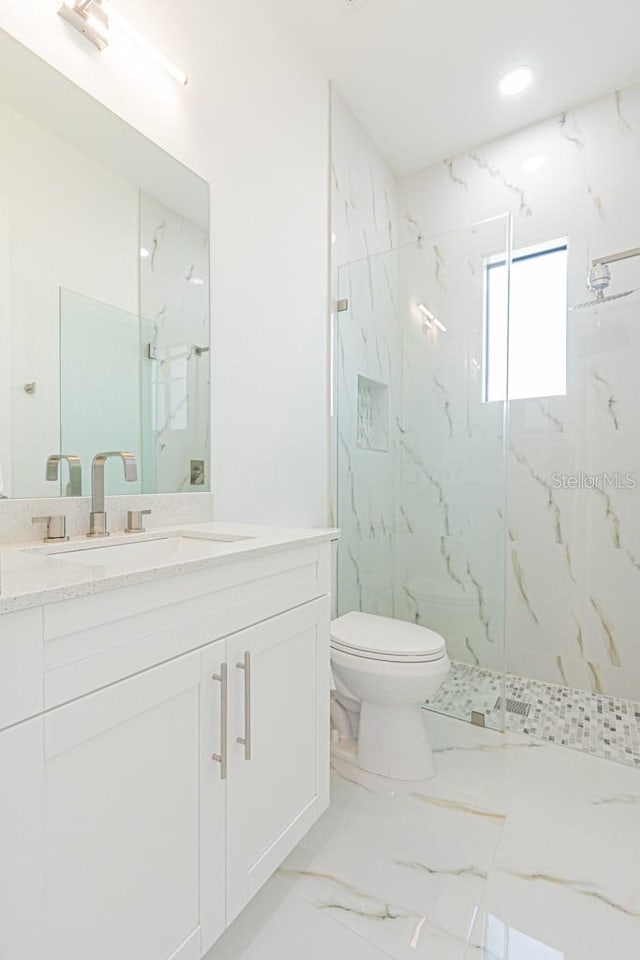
[384,670]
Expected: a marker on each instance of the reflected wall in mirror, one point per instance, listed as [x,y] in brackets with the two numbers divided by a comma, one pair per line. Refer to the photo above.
[104,292]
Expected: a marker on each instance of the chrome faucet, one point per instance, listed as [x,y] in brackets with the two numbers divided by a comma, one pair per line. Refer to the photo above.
[74,487]
[98,517]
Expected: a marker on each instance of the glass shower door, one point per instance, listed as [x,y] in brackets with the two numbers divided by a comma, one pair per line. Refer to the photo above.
[421,451]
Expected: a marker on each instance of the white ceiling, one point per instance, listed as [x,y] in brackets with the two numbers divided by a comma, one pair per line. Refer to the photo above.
[422,75]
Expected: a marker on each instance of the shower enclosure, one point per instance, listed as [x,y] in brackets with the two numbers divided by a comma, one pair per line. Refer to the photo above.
[510,526]
[421,425]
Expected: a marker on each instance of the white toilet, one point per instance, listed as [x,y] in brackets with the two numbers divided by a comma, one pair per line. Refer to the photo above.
[384,670]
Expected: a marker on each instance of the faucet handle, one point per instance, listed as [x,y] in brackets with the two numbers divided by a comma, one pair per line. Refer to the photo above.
[135,522]
[98,524]
[56,527]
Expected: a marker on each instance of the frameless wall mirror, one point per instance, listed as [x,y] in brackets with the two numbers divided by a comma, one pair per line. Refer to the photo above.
[104,293]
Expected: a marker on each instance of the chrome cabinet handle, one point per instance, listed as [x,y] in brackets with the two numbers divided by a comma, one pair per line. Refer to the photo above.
[221,757]
[246,740]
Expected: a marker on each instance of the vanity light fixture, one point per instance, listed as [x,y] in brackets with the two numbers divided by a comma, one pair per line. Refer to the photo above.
[98,20]
[429,319]
[90,18]
[516,81]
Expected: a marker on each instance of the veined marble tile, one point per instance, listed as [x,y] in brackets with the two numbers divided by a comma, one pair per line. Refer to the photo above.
[572,817]
[405,869]
[565,877]
[541,919]
[476,766]
[526,852]
[278,926]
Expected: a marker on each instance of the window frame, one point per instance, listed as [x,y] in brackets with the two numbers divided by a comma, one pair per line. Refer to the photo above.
[531,252]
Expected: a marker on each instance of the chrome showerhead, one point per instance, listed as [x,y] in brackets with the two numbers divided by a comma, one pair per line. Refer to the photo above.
[598,281]
[600,298]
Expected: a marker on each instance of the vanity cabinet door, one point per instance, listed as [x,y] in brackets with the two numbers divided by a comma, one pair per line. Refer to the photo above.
[22,886]
[121,803]
[279,777]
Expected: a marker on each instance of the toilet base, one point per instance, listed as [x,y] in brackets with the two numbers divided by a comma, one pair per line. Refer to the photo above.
[392,743]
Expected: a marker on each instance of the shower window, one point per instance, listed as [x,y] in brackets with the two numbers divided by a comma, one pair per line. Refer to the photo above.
[535,309]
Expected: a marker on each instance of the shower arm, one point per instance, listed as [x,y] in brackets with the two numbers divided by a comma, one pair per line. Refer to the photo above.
[614,257]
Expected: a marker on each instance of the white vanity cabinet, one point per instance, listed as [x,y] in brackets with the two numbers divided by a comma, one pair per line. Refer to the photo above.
[137,819]
[100,818]
[276,760]
[121,808]
[278,782]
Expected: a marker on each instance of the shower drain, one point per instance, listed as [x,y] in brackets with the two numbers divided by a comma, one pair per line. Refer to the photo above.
[514,706]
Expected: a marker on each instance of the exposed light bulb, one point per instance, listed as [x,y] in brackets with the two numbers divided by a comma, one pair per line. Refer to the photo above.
[144,253]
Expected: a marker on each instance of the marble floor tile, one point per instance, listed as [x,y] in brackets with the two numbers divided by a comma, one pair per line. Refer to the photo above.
[516,850]
[400,870]
[573,817]
[278,926]
[565,883]
[530,919]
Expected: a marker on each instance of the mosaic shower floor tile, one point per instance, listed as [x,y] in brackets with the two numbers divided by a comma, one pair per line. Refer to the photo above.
[604,726]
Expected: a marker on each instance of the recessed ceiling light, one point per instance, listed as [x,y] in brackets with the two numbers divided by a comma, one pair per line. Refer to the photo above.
[534,163]
[515,81]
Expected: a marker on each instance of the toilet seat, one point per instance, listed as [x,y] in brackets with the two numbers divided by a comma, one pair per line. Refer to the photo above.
[372,637]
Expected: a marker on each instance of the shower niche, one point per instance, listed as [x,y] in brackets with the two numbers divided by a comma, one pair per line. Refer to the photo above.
[373,415]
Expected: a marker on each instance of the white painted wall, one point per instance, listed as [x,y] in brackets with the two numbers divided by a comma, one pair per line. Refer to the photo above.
[52,212]
[254,122]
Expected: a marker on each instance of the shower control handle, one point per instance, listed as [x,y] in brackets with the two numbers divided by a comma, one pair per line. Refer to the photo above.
[135,523]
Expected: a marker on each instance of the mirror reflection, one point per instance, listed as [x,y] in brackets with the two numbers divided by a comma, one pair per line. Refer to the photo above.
[104,297]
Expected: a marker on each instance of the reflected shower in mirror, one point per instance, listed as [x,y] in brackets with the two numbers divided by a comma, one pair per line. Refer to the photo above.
[104,294]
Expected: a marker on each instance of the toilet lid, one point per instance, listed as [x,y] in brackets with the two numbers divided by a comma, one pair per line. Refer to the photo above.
[366,633]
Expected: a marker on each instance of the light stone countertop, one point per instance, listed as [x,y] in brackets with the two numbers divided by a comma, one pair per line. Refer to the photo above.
[32,574]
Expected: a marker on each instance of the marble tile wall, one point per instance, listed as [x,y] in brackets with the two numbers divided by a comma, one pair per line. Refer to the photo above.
[573,557]
[450,521]
[366,343]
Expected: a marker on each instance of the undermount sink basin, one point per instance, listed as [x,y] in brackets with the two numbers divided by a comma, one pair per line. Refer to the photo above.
[139,555]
